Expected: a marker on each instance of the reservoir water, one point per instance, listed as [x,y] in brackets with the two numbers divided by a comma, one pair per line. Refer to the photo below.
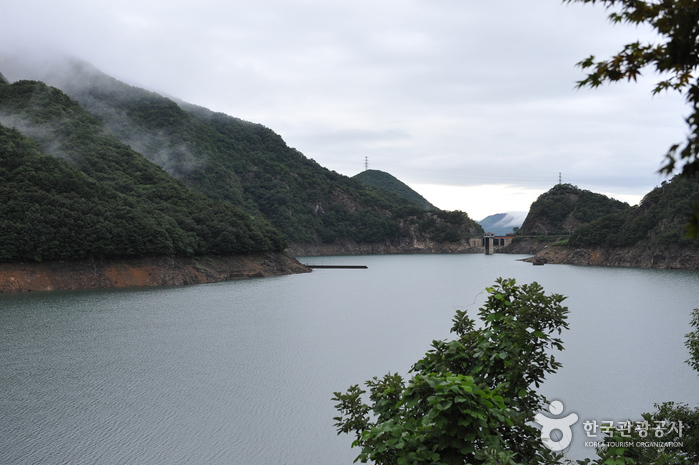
[243,372]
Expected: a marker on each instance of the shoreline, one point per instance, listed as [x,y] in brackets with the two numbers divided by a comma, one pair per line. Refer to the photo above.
[142,272]
[405,246]
[663,258]
[179,271]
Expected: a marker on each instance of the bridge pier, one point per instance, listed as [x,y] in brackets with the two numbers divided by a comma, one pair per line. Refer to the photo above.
[489,243]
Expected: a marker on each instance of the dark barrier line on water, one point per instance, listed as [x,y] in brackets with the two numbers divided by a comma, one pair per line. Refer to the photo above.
[340,267]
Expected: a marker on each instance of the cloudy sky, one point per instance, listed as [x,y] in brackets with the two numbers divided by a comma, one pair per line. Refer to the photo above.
[471,103]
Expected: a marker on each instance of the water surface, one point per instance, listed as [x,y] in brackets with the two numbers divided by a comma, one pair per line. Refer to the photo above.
[243,372]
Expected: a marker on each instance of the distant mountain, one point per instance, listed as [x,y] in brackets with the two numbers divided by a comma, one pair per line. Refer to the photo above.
[565,207]
[224,158]
[501,224]
[383,180]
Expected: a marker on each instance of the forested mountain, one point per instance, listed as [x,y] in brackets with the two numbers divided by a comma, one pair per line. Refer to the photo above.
[383,180]
[649,235]
[95,197]
[565,207]
[660,218]
[105,128]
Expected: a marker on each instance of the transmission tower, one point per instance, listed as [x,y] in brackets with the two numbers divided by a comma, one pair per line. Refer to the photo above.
[366,163]
[560,181]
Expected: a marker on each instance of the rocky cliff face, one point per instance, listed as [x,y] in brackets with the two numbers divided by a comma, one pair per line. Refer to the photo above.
[379,248]
[95,274]
[671,256]
[413,239]
[525,245]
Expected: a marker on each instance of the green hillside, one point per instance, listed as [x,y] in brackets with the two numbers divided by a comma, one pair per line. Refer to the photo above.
[248,165]
[565,207]
[93,196]
[386,181]
[661,218]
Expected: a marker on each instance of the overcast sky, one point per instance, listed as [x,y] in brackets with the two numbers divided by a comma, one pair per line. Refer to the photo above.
[471,103]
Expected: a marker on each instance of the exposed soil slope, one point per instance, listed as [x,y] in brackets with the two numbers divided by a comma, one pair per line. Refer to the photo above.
[162,271]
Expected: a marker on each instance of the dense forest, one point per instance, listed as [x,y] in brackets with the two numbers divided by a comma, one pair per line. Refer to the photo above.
[386,181]
[98,198]
[565,207]
[116,171]
[248,165]
[660,218]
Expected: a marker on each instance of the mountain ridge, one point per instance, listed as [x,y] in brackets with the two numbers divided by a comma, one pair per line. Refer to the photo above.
[98,197]
[565,207]
[249,166]
[222,160]
[383,180]
[649,235]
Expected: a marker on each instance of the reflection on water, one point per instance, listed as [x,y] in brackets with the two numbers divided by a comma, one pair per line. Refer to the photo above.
[243,372]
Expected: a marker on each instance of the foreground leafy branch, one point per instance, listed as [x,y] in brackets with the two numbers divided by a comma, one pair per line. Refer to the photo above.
[675,58]
[472,399]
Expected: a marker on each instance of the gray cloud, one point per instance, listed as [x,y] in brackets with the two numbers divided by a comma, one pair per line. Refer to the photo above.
[436,92]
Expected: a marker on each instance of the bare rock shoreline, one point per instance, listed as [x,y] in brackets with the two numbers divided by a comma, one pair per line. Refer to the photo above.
[166,271]
[672,257]
[156,271]
[403,246]
[642,255]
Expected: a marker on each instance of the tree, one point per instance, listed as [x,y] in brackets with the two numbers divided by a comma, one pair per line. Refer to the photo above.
[675,57]
[471,399]
[692,341]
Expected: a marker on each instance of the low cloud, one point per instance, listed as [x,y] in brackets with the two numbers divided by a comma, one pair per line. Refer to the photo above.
[446,93]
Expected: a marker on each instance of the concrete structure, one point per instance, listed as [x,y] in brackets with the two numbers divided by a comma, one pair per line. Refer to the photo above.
[490,242]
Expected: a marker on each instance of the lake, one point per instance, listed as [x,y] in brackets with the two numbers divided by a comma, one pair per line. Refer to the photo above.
[243,372]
